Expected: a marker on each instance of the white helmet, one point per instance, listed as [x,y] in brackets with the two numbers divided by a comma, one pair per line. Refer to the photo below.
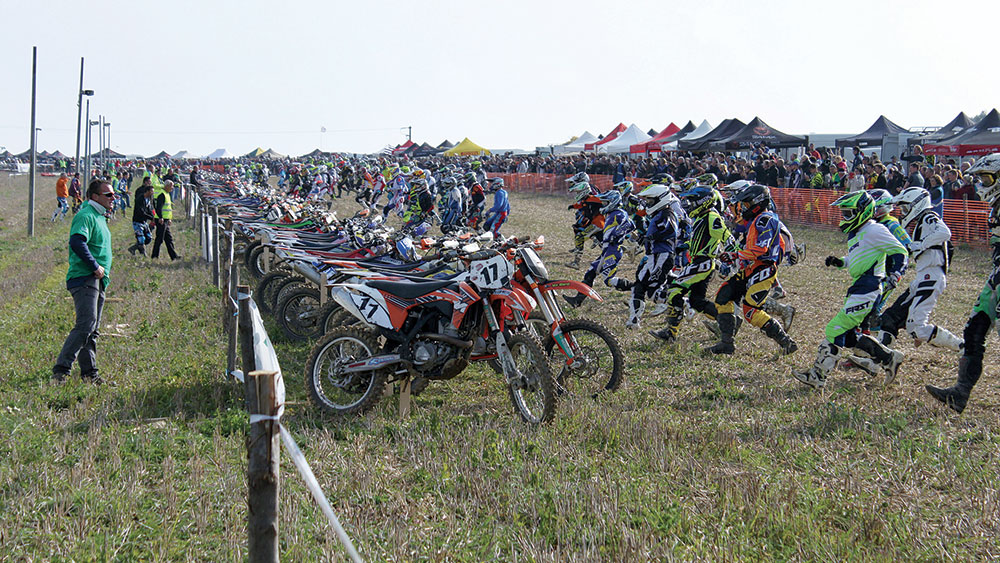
[988,170]
[577,178]
[736,187]
[912,202]
[656,197]
[580,191]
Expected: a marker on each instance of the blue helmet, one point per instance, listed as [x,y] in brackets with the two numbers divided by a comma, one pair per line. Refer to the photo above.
[612,200]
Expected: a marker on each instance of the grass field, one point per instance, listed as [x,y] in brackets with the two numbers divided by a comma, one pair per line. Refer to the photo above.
[694,458]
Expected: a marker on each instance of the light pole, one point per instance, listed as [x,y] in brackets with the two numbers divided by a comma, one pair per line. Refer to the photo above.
[100,142]
[79,111]
[86,151]
[90,147]
[107,138]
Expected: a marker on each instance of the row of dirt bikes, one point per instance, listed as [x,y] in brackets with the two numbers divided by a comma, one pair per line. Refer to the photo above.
[387,305]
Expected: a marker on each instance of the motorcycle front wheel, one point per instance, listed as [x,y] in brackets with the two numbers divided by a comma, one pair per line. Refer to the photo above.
[530,386]
[598,361]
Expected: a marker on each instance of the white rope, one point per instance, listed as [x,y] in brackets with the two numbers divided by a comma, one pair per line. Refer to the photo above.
[317,493]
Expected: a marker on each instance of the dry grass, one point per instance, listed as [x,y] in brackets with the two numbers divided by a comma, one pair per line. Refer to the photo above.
[693,459]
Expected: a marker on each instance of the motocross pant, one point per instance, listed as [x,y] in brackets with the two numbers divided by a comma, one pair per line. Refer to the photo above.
[914,306]
[692,281]
[751,286]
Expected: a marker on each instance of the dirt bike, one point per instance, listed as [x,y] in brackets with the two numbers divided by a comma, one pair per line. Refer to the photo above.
[430,330]
[592,361]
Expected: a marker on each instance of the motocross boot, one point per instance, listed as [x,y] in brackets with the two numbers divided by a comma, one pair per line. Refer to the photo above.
[957,396]
[727,331]
[815,375]
[669,332]
[784,312]
[889,358]
[772,329]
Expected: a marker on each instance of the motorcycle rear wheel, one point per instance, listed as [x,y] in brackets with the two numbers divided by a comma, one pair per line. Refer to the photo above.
[334,391]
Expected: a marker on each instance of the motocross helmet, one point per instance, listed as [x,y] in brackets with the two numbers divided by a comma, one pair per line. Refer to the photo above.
[577,178]
[418,185]
[750,202]
[448,182]
[687,183]
[471,177]
[988,170]
[883,202]
[911,201]
[495,183]
[611,201]
[708,180]
[661,178]
[656,197]
[737,186]
[856,208]
[700,200]
[580,191]
[624,188]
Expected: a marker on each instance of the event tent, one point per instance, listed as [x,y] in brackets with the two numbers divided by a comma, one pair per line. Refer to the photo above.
[620,144]
[658,139]
[5,154]
[755,133]
[316,153]
[700,131]
[981,138]
[183,155]
[426,150]
[400,149]
[653,132]
[607,138]
[254,153]
[953,128]
[726,128]
[218,154]
[466,147]
[272,154]
[445,144]
[872,137]
[58,155]
[159,156]
[575,145]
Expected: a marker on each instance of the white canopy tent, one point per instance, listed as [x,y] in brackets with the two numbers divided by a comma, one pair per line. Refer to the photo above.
[699,131]
[631,136]
[183,155]
[575,145]
[219,153]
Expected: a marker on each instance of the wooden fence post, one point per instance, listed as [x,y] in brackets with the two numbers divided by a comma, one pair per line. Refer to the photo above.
[232,310]
[248,359]
[263,478]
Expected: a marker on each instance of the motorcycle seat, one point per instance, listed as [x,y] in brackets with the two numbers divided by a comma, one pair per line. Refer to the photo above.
[410,289]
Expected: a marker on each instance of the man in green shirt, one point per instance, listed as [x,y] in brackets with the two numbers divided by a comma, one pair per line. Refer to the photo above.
[87,278]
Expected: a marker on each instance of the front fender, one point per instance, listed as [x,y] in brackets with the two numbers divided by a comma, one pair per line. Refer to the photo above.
[579,287]
[514,298]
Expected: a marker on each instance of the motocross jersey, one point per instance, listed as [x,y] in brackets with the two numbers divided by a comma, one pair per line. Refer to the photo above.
[708,235]
[873,251]
[588,211]
[617,227]
[895,228]
[661,232]
[500,202]
[930,241]
[763,242]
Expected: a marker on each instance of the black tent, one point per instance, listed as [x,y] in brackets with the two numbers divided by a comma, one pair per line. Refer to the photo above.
[725,129]
[58,155]
[956,126]
[652,132]
[755,133]
[316,153]
[161,155]
[872,137]
[425,150]
[680,134]
[981,138]
[5,154]
[445,144]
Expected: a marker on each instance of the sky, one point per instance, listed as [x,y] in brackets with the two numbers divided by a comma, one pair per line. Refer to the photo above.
[209,74]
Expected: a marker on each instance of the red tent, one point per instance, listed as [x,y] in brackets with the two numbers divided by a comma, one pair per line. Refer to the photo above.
[402,148]
[653,145]
[607,138]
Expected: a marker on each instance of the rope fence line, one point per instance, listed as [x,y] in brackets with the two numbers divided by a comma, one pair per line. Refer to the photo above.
[263,386]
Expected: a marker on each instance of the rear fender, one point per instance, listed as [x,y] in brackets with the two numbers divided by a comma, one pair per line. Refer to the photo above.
[579,287]
[365,303]
[514,299]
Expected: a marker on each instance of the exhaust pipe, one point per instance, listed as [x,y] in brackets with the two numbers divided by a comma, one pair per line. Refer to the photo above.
[460,344]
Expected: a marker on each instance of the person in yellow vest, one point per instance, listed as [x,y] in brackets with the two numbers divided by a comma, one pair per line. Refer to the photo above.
[163,205]
[154,179]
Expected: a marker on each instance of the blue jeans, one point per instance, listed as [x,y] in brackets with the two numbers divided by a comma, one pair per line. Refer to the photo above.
[81,344]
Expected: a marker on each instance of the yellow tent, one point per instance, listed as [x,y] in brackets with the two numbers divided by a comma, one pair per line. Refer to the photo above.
[466,147]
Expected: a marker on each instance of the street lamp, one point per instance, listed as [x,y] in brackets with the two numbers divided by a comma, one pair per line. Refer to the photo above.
[87,143]
[79,112]
[107,141]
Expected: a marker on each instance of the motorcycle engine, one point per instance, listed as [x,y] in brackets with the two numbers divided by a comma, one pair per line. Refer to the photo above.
[437,360]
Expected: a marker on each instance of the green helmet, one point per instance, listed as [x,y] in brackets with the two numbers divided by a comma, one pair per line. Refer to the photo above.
[624,187]
[708,180]
[580,191]
[856,208]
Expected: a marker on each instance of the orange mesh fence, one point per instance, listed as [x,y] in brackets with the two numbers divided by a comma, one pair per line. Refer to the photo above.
[966,219]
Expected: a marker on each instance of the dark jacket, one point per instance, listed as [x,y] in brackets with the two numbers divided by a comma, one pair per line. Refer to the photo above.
[142,211]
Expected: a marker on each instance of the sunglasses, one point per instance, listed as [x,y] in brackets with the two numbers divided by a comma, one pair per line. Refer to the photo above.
[109,194]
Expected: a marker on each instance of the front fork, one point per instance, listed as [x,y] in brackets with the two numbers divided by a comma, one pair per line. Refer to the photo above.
[554,317]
